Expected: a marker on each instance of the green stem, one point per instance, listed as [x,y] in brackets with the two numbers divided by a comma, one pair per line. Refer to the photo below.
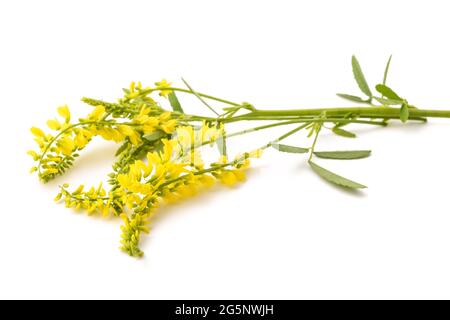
[196,173]
[199,97]
[360,112]
[284,136]
[207,96]
[51,143]
[55,138]
[314,143]
[224,165]
[277,124]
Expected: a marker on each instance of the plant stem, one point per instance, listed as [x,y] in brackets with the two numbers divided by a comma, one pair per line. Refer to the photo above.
[199,97]
[207,96]
[224,165]
[314,142]
[360,112]
[284,136]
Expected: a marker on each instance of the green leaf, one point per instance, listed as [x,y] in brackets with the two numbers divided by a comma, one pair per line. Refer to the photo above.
[156,135]
[387,92]
[351,97]
[176,106]
[388,102]
[386,70]
[343,155]
[404,112]
[359,77]
[334,178]
[343,133]
[122,148]
[290,149]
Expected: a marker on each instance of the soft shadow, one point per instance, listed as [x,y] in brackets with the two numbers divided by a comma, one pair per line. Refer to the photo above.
[90,159]
[96,156]
[204,197]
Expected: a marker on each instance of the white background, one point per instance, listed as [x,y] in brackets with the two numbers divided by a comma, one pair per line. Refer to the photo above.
[283,234]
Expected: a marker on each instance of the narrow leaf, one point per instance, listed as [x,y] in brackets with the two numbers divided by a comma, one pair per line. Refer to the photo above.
[156,135]
[386,70]
[334,178]
[290,149]
[359,77]
[343,155]
[388,102]
[343,133]
[387,92]
[176,106]
[404,112]
[199,97]
[351,97]
[122,148]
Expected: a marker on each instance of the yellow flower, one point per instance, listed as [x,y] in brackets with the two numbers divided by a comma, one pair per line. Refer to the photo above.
[152,157]
[54,124]
[131,231]
[164,116]
[134,138]
[167,150]
[66,145]
[239,174]
[228,178]
[145,168]
[169,126]
[80,141]
[206,180]
[163,84]
[187,191]
[129,132]
[170,197]
[33,154]
[37,132]
[98,113]
[126,130]
[124,180]
[78,190]
[144,110]
[64,112]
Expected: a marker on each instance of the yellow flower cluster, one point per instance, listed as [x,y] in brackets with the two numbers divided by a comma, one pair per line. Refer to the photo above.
[136,91]
[57,152]
[164,85]
[131,233]
[92,200]
[159,159]
[171,176]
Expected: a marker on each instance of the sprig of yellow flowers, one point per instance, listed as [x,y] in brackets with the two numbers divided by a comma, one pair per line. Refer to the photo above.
[160,154]
[170,145]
